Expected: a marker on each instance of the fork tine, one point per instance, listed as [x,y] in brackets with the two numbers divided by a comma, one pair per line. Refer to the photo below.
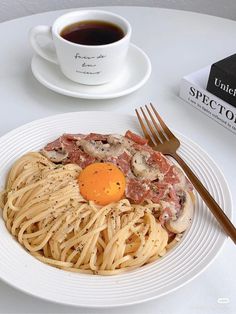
[150,127]
[162,123]
[159,131]
[145,132]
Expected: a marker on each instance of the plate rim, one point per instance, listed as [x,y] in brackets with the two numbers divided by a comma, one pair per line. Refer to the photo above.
[73,94]
[146,299]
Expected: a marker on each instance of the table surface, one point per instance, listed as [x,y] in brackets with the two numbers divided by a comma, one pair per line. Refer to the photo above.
[177,43]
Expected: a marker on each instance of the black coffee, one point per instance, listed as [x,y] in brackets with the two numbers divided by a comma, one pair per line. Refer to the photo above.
[92,33]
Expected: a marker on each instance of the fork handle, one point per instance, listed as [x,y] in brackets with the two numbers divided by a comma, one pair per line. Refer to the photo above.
[220,216]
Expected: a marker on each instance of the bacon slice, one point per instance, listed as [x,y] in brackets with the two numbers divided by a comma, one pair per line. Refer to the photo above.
[68,143]
[79,157]
[137,190]
[173,197]
[159,160]
[122,162]
[74,137]
[54,145]
[96,137]
[64,141]
[158,191]
[172,176]
[136,138]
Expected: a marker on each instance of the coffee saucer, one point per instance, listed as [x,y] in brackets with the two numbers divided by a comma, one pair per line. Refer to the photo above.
[135,73]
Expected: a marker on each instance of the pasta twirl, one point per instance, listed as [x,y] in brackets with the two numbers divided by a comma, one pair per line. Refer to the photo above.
[43,209]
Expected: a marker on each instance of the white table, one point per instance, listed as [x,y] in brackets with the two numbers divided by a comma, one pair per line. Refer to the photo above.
[178,43]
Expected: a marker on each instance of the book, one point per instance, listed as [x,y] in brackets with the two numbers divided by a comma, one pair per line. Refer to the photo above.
[222,79]
[193,90]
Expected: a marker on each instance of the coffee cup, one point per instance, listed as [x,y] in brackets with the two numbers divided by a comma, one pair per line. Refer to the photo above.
[85,62]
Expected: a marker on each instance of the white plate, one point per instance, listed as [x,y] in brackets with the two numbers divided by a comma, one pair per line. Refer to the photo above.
[135,73]
[195,252]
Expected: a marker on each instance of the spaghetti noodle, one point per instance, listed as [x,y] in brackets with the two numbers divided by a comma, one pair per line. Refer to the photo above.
[44,210]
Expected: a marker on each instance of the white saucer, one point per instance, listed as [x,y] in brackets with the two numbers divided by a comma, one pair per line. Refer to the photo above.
[135,73]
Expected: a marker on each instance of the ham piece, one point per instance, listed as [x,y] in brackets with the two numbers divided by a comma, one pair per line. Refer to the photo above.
[135,158]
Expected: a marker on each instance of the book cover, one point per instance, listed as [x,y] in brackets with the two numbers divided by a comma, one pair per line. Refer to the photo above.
[193,90]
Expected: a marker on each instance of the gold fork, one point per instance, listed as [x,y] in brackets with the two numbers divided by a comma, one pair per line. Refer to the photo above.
[165,141]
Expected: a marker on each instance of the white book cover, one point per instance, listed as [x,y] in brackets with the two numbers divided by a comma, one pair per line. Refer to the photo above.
[193,90]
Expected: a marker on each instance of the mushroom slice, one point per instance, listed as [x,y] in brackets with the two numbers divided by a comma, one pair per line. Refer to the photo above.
[55,155]
[184,219]
[117,139]
[100,150]
[142,170]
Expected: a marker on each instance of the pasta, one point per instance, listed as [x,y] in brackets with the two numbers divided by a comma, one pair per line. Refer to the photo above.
[44,210]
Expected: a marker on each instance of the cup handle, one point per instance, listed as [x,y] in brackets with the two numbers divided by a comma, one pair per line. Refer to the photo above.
[44,52]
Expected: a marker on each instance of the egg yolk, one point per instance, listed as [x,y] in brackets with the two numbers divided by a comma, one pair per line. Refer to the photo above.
[102,183]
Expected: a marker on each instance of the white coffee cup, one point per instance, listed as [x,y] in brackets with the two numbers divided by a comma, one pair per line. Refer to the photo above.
[85,64]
